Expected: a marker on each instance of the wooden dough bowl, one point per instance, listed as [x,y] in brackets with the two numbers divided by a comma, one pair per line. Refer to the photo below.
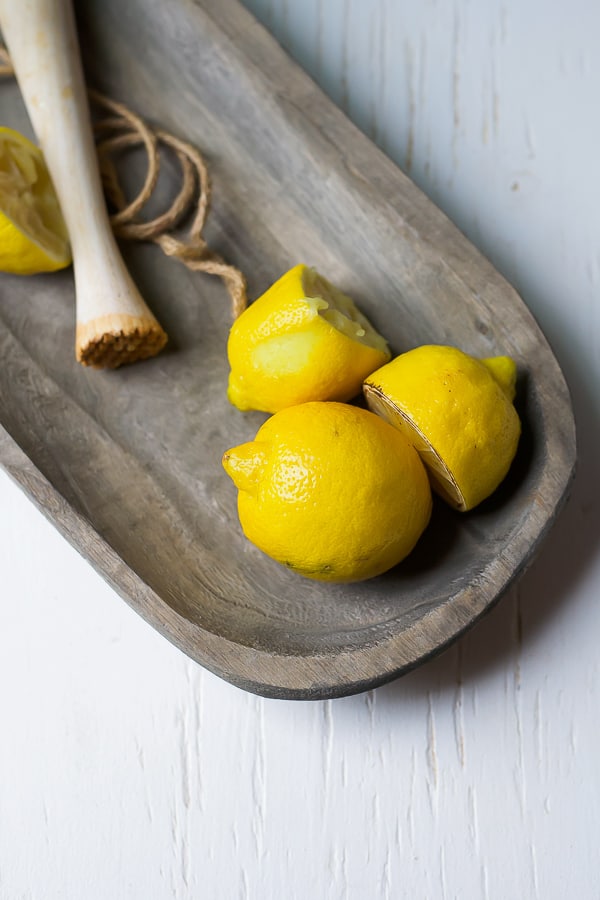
[126,463]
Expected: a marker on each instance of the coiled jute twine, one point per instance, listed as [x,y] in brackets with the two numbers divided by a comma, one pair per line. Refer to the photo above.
[118,129]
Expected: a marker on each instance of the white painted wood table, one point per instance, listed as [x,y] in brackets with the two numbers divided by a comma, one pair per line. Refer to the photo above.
[126,771]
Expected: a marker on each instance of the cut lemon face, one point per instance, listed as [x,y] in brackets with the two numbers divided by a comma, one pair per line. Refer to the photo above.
[302,340]
[457,412]
[33,234]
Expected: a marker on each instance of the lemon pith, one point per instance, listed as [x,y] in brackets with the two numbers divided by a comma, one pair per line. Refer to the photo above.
[458,413]
[302,340]
[330,491]
[33,235]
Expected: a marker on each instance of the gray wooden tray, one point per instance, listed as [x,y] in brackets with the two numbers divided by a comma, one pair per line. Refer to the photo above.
[127,463]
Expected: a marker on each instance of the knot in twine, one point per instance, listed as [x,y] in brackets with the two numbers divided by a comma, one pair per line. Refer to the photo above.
[118,129]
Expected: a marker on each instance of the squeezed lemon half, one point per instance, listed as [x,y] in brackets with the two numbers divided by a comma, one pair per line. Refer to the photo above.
[302,340]
[33,234]
[458,413]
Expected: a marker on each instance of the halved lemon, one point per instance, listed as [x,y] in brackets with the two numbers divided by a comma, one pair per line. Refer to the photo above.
[33,234]
[458,413]
[302,340]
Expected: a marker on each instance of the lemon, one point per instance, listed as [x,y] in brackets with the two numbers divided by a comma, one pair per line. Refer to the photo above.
[458,413]
[302,340]
[33,235]
[331,491]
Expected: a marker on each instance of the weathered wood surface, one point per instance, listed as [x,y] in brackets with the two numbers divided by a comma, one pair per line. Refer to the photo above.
[130,772]
[128,464]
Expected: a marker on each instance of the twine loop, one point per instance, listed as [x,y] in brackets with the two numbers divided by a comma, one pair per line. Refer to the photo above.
[118,129]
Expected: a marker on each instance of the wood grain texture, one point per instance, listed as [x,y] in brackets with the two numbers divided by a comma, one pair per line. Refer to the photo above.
[137,453]
[129,772]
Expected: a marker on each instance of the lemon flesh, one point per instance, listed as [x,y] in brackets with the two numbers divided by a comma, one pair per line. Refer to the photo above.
[33,234]
[458,413]
[330,491]
[302,340]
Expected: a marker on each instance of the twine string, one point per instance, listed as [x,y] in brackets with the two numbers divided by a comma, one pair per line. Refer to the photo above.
[118,129]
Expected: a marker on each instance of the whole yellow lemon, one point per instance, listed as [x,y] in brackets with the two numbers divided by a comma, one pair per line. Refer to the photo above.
[331,491]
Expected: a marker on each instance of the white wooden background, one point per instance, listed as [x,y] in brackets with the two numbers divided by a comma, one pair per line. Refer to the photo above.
[128,772]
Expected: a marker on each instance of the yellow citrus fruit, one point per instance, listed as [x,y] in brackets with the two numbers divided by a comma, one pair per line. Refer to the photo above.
[458,413]
[302,340]
[33,235]
[331,491]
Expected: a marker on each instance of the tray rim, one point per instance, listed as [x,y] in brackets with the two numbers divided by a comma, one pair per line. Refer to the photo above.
[315,671]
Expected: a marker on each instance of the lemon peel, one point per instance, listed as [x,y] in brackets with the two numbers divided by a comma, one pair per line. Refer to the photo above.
[302,340]
[504,370]
[330,491]
[458,413]
[33,234]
